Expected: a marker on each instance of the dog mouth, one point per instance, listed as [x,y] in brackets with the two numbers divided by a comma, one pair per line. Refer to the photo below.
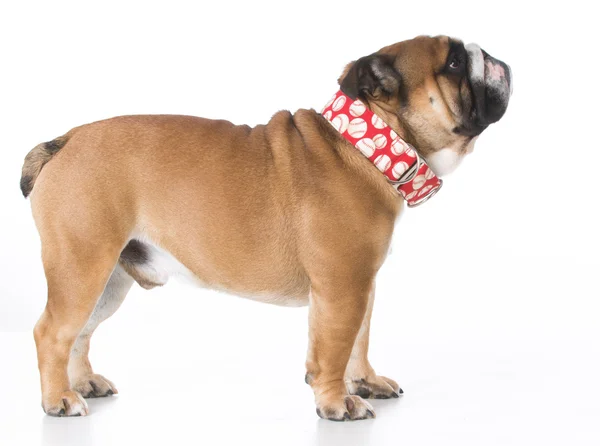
[491,84]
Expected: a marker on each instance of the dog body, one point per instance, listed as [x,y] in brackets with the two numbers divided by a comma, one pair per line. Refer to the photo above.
[286,213]
[250,202]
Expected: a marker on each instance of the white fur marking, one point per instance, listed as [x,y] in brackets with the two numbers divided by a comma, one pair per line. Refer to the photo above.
[476,65]
[444,161]
[78,408]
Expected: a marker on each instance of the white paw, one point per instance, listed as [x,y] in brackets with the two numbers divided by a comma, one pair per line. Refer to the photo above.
[70,404]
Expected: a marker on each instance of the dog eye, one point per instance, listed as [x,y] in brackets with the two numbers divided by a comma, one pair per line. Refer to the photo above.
[455,63]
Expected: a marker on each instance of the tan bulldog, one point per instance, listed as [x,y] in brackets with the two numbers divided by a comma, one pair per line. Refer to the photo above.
[288,213]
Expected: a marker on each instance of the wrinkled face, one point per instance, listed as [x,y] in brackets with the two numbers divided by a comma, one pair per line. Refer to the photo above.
[434,91]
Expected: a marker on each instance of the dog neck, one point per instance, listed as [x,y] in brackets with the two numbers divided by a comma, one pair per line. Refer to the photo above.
[394,157]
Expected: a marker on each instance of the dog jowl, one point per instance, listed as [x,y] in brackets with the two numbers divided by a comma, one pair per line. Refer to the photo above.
[290,213]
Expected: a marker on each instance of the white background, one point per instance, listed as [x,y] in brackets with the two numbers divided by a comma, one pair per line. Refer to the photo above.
[487,311]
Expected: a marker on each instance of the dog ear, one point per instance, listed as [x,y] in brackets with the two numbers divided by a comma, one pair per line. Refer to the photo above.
[370,77]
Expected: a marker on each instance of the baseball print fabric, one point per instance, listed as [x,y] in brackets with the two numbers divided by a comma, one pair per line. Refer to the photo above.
[393,156]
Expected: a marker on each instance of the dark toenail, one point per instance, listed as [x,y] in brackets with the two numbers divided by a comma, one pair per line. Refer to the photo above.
[370,412]
[395,395]
[61,412]
[346,416]
[319,412]
[400,391]
[110,392]
[363,392]
[381,396]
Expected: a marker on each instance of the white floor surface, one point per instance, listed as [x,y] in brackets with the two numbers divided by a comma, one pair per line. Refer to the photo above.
[250,392]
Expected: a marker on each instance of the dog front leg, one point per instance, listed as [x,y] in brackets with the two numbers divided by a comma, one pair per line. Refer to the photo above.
[335,317]
[361,379]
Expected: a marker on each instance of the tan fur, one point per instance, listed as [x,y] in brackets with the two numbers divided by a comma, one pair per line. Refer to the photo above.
[287,209]
[426,127]
[36,159]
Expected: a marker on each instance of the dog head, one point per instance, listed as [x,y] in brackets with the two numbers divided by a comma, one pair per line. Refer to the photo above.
[434,91]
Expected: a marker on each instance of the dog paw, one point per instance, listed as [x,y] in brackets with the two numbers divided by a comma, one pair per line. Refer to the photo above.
[347,408]
[69,404]
[94,386]
[378,387]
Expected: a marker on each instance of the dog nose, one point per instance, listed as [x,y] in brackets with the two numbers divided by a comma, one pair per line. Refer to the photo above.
[497,71]
[491,83]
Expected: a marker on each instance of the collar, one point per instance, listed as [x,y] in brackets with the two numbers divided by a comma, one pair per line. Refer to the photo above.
[394,157]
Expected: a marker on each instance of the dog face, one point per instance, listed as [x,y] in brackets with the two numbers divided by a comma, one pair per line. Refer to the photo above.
[441,93]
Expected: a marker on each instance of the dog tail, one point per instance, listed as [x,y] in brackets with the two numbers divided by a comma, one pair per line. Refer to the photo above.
[37,159]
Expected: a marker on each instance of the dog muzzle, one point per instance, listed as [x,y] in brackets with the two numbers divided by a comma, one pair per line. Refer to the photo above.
[395,158]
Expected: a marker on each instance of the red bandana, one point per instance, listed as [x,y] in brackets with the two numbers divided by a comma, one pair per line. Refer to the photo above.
[397,159]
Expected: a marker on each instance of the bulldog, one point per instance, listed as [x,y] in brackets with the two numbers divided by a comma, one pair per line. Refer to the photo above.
[299,211]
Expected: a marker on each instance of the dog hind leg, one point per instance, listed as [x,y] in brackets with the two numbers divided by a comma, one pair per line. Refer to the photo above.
[82,377]
[77,271]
